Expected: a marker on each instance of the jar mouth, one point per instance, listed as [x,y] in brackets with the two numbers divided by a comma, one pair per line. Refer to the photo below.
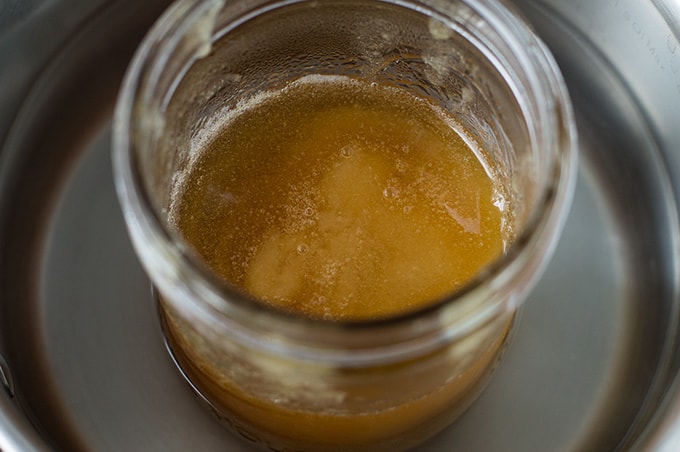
[166,257]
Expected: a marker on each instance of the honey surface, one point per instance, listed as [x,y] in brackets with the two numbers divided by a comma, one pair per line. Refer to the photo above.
[340,199]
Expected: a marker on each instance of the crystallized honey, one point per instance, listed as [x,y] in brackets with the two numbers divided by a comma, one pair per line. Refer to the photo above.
[340,199]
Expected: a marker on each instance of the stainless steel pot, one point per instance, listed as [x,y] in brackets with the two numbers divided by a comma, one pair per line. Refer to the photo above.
[593,364]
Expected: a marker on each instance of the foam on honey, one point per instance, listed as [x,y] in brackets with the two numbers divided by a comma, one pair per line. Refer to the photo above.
[340,199]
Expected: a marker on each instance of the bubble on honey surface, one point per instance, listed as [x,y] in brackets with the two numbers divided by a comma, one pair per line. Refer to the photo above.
[302,248]
[391,192]
[347,151]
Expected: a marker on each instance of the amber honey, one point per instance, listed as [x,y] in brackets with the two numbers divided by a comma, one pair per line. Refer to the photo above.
[340,199]
[290,416]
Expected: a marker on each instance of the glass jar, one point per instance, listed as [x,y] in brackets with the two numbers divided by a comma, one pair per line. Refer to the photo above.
[290,383]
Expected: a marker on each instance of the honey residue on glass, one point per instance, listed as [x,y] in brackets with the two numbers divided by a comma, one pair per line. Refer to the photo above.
[341,199]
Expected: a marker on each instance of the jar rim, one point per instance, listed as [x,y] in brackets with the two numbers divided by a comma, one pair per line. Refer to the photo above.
[218,303]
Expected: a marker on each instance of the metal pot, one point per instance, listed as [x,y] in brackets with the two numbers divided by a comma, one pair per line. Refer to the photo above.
[593,364]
